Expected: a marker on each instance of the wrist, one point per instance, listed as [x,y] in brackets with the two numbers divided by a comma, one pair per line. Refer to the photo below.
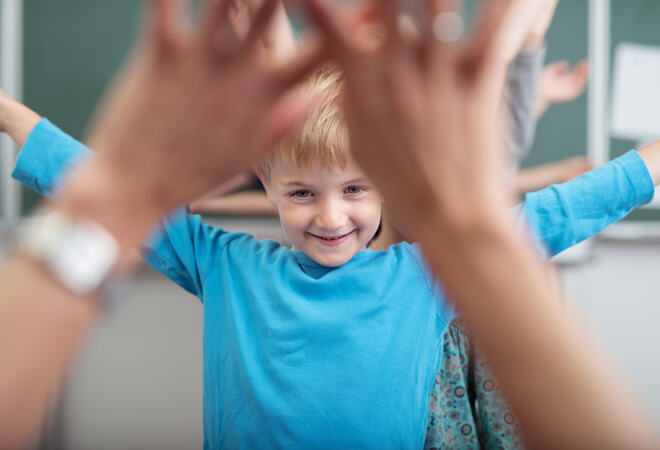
[464,223]
[105,195]
[17,120]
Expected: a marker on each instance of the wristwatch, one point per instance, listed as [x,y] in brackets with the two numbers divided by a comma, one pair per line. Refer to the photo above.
[79,254]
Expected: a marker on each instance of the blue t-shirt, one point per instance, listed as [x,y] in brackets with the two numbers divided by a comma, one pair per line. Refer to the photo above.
[297,355]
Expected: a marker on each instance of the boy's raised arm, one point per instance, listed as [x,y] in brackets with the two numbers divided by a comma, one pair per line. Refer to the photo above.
[16,119]
[563,215]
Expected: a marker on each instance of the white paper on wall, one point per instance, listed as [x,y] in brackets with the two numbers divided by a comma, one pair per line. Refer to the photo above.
[636,97]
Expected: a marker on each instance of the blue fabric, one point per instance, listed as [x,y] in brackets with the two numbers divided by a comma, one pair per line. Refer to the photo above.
[297,355]
[568,213]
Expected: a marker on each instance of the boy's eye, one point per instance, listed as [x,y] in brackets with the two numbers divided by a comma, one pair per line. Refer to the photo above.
[301,194]
[353,190]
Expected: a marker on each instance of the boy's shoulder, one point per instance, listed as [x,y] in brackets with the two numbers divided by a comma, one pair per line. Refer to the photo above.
[403,250]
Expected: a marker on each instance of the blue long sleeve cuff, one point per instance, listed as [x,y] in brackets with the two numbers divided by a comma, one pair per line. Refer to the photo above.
[46,148]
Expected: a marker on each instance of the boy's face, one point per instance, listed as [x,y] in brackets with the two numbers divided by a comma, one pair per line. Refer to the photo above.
[329,214]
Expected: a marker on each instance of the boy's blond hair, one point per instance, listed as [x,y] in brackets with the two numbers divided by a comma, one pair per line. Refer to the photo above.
[322,137]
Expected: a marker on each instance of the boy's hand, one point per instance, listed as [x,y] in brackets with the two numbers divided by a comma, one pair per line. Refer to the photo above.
[16,119]
[191,110]
[4,103]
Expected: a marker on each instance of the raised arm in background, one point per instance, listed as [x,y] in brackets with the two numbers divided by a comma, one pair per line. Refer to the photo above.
[439,101]
[521,87]
[561,84]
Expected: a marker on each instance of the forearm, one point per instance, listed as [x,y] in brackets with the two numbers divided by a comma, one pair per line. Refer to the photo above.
[520,97]
[41,325]
[506,297]
[41,321]
[17,120]
[121,201]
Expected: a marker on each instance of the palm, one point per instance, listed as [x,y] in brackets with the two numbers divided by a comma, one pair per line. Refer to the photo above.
[560,84]
[235,107]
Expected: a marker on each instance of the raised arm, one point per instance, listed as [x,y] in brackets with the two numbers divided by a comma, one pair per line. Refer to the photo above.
[521,88]
[141,172]
[565,214]
[422,125]
[560,83]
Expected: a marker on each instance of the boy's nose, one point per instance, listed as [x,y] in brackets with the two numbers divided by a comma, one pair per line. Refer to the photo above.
[330,218]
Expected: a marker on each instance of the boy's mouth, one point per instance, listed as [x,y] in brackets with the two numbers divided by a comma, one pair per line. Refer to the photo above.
[333,240]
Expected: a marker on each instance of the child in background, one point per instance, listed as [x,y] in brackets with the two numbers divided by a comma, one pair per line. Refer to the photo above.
[303,343]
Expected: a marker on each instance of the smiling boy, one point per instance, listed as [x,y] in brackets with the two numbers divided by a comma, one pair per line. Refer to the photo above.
[326,204]
[330,214]
[328,344]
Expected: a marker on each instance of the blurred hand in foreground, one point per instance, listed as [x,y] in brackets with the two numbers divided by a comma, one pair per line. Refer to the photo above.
[199,106]
[191,109]
[424,112]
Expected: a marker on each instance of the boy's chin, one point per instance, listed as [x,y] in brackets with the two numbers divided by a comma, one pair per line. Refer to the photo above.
[330,260]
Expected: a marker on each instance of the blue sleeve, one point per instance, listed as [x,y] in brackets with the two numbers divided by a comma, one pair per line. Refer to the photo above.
[47,156]
[563,215]
[178,247]
[185,249]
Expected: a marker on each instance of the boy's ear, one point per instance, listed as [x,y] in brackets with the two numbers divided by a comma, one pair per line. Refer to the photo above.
[266,183]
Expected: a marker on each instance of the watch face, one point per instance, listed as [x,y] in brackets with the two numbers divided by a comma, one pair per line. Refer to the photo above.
[80,254]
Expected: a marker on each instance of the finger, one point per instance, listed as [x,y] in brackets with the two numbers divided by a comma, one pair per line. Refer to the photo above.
[389,13]
[435,7]
[446,22]
[239,17]
[480,51]
[369,31]
[215,16]
[163,22]
[328,19]
[560,67]
[481,61]
[262,20]
[310,56]
[582,68]
[368,12]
